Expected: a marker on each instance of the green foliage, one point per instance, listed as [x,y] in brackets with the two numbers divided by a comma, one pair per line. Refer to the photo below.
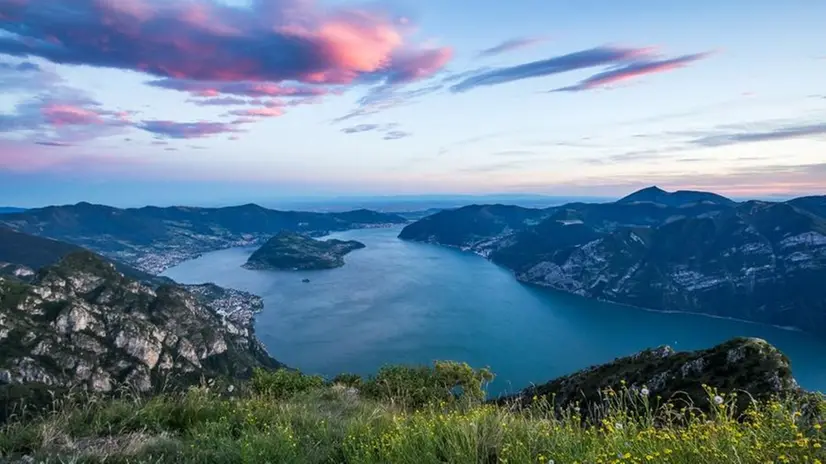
[283,383]
[324,425]
[346,379]
[418,386]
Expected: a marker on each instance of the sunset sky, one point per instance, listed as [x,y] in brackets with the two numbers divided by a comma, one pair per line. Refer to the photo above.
[129,102]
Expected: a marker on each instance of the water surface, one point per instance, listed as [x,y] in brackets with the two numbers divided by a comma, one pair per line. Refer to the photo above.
[404,302]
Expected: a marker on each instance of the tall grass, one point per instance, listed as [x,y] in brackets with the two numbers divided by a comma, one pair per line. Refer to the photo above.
[283,418]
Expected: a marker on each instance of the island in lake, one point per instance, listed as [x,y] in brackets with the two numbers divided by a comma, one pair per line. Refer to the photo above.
[293,251]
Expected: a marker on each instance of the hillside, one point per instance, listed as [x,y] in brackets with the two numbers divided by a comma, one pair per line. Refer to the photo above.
[9,209]
[292,251]
[153,239]
[679,198]
[438,414]
[80,323]
[466,226]
[756,261]
[23,253]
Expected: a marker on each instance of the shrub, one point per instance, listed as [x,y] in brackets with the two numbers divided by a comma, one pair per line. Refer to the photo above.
[350,380]
[283,383]
[418,386]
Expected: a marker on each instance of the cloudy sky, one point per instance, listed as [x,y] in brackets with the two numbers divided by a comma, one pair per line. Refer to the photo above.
[200,101]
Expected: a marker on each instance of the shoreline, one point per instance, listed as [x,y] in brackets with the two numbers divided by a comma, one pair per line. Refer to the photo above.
[470,250]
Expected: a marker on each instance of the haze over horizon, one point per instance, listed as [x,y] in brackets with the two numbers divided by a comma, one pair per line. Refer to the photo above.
[133,102]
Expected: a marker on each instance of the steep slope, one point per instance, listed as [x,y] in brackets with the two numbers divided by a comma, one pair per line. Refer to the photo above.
[674,199]
[292,251]
[153,239]
[761,262]
[81,323]
[814,204]
[742,364]
[24,253]
[467,226]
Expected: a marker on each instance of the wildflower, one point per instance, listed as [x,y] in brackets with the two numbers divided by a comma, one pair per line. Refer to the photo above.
[718,399]
[817,427]
[618,426]
[644,391]
[817,445]
[231,388]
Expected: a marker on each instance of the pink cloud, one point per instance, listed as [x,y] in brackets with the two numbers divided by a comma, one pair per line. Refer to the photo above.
[269,41]
[633,70]
[265,112]
[68,115]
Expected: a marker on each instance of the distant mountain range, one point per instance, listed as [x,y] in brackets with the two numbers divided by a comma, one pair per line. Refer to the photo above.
[677,251]
[152,239]
[8,210]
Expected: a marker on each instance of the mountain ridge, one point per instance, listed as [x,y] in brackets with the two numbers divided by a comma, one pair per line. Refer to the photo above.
[152,238]
[756,261]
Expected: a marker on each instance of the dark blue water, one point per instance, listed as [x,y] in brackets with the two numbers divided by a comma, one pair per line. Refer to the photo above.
[403,302]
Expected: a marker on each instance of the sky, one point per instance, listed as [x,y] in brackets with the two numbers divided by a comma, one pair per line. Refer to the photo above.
[131,102]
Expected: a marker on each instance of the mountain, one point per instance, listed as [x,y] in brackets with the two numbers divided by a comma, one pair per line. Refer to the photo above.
[9,209]
[81,323]
[21,254]
[465,227]
[679,198]
[292,251]
[813,204]
[756,261]
[153,239]
[745,364]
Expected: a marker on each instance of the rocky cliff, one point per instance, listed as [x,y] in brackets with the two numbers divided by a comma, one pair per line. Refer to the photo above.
[662,374]
[292,251]
[81,323]
[757,261]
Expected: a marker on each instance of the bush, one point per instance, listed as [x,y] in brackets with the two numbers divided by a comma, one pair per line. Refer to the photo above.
[418,386]
[283,383]
[350,380]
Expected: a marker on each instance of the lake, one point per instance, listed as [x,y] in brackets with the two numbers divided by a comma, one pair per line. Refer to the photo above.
[404,302]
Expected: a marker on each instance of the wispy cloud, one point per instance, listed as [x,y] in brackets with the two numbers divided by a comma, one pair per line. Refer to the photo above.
[187,130]
[360,128]
[54,144]
[632,70]
[599,56]
[222,101]
[510,45]
[624,62]
[389,130]
[241,88]
[782,132]
[264,112]
[396,135]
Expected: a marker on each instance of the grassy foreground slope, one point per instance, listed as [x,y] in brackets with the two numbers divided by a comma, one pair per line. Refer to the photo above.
[412,415]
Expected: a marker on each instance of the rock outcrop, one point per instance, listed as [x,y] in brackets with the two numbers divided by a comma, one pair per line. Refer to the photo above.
[82,324]
[743,364]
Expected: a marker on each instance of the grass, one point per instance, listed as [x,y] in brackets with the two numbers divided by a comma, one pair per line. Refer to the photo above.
[284,417]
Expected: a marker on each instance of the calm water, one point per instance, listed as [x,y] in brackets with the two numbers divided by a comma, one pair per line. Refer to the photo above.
[402,302]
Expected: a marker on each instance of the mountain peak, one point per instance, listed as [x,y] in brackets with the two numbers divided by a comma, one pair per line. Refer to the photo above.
[655,194]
